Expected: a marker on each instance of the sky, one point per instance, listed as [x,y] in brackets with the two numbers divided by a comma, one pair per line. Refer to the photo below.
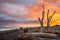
[27,11]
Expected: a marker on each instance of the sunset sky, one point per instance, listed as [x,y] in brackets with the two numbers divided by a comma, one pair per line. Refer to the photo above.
[18,12]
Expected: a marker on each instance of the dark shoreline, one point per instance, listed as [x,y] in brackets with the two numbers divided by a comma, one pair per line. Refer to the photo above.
[13,34]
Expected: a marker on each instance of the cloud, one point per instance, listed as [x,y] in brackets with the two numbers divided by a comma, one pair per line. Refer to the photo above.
[13,8]
[6,18]
[21,2]
[17,11]
[52,1]
[25,10]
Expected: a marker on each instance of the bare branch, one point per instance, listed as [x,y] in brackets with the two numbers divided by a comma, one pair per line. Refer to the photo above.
[47,13]
[43,13]
[43,7]
[50,18]
[39,20]
[53,14]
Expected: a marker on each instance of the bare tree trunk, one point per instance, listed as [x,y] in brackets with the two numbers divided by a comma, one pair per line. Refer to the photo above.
[49,19]
[41,20]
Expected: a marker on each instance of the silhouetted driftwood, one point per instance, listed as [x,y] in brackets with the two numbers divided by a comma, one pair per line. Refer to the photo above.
[41,20]
[49,18]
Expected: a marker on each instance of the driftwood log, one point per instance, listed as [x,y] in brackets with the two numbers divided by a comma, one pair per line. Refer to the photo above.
[42,19]
[44,35]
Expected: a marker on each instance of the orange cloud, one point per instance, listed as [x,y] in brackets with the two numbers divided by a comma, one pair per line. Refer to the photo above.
[35,11]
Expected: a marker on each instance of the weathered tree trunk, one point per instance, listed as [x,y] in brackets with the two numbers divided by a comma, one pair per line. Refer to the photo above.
[41,20]
[49,19]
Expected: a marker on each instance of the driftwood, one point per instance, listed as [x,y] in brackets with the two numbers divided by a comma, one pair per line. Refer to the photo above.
[44,35]
[53,32]
[41,20]
[49,18]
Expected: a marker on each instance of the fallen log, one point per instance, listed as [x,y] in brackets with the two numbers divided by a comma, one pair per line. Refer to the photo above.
[54,32]
[44,35]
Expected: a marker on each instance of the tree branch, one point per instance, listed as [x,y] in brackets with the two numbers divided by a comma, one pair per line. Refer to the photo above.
[51,16]
[39,20]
